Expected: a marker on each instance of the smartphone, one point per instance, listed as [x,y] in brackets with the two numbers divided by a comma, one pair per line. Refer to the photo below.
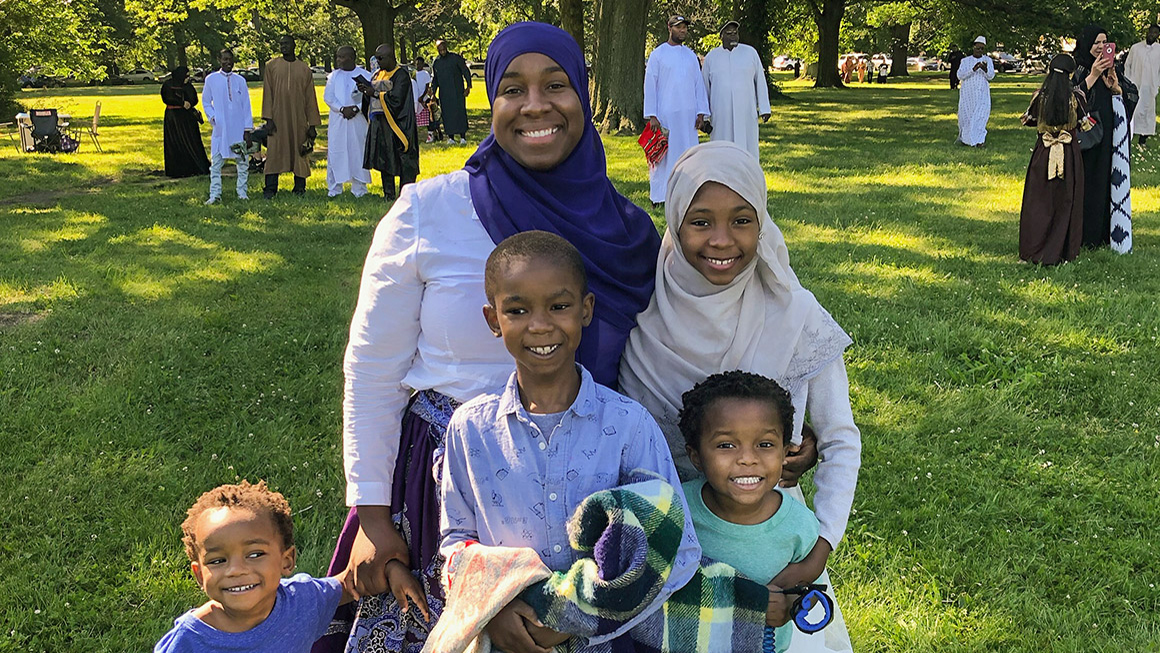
[1110,51]
[360,80]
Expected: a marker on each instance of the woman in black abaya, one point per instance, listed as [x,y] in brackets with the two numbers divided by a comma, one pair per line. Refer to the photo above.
[184,151]
[1101,81]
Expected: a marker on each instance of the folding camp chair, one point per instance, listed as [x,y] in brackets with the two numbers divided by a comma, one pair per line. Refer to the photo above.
[93,127]
[10,128]
[46,132]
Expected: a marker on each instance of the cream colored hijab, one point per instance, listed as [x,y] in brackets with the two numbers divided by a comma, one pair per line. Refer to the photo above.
[763,322]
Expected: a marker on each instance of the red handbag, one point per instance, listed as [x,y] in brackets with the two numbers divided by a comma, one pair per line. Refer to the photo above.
[655,143]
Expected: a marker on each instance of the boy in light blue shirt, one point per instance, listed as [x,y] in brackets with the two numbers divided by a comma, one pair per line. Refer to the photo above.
[736,427]
[518,463]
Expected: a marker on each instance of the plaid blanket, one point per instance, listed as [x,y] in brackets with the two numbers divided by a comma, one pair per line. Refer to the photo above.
[629,537]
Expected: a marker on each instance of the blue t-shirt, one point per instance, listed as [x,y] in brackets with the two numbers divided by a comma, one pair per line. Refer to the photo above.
[760,551]
[302,612]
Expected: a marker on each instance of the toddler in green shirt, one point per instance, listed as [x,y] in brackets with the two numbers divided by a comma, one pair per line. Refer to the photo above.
[737,426]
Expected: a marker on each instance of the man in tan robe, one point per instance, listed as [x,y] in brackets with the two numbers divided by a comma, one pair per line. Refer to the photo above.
[290,109]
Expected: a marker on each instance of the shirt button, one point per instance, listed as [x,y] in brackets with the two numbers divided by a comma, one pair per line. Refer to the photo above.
[543,445]
[552,496]
[556,548]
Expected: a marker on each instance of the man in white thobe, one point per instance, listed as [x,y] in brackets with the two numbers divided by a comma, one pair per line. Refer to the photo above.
[674,100]
[735,83]
[226,102]
[347,136]
[1143,68]
[975,74]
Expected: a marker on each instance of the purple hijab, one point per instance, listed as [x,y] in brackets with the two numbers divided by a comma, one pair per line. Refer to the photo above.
[575,200]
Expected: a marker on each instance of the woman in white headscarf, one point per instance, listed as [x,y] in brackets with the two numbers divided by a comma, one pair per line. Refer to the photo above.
[727,299]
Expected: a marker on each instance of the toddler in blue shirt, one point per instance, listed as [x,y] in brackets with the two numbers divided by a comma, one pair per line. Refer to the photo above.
[240,543]
[736,427]
[518,463]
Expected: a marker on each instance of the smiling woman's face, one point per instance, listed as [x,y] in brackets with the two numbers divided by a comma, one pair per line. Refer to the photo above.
[536,116]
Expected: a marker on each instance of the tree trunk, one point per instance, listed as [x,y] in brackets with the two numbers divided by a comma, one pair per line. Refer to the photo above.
[402,49]
[181,44]
[618,65]
[899,50]
[572,19]
[829,22]
[756,18]
[378,22]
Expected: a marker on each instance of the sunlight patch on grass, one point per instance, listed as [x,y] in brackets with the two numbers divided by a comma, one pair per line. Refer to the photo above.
[60,289]
[77,226]
[182,258]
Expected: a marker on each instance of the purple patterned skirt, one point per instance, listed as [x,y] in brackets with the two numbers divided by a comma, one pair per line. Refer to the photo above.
[377,624]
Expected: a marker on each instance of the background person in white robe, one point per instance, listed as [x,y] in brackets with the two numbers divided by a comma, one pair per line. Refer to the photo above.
[735,83]
[1143,68]
[975,74]
[226,102]
[348,126]
[674,99]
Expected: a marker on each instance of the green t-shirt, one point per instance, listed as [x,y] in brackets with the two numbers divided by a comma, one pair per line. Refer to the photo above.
[760,551]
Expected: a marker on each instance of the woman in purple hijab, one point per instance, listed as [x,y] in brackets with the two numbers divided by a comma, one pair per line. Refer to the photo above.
[418,343]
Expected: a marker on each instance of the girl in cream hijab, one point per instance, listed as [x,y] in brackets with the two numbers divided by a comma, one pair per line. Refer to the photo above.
[727,299]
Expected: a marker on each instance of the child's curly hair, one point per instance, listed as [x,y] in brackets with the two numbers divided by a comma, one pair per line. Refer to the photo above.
[258,498]
[732,385]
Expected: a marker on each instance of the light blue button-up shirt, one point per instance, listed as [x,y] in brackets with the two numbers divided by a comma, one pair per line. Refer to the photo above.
[506,483]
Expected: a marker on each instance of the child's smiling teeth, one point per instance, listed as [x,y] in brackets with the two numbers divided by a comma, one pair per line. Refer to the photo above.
[540,133]
[241,588]
[746,480]
[545,350]
[722,261]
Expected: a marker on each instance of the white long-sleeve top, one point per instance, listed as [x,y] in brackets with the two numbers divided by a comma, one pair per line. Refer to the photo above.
[226,102]
[826,397]
[418,325]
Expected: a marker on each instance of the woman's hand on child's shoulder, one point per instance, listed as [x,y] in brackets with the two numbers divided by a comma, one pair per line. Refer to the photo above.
[406,588]
[777,612]
[509,630]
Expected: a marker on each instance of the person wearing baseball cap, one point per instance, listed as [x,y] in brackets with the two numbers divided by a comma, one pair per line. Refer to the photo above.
[674,100]
[738,93]
[975,75]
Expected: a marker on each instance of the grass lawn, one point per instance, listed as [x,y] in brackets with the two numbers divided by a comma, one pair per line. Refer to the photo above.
[152,347]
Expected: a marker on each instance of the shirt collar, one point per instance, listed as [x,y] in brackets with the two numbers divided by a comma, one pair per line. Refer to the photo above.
[584,404]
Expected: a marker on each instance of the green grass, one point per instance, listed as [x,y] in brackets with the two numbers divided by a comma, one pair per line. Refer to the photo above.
[151,348]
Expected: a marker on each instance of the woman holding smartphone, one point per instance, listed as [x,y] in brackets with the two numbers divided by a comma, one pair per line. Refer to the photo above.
[1111,98]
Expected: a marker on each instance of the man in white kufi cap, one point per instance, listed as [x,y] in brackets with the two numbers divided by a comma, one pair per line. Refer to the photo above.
[975,74]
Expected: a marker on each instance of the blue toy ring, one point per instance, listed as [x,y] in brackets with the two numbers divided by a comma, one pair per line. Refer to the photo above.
[806,603]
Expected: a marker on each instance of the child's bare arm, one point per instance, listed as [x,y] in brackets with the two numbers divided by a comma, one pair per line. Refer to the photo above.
[808,569]
[346,578]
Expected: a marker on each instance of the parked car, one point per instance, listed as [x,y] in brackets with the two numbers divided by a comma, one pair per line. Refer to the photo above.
[197,75]
[250,74]
[877,60]
[1006,63]
[139,76]
[476,68]
[782,62]
[34,78]
[318,73]
[922,63]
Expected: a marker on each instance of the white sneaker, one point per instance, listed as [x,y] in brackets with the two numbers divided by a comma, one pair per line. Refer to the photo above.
[430,138]
[213,200]
[450,141]
[462,141]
